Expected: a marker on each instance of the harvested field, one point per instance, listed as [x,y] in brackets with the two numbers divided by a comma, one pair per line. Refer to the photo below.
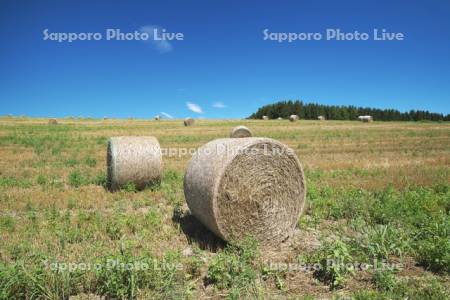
[377,193]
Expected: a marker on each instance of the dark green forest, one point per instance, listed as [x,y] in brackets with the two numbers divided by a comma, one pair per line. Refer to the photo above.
[310,111]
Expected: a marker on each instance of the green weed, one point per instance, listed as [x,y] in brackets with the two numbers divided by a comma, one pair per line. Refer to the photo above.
[336,262]
[41,180]
[382,241]
[77,179]
[384,280]
[433,245]
[7,223]
[14,182]
[90,161]
[235,267]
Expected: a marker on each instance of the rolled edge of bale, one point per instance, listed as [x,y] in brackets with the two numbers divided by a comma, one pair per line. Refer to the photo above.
[133,159]
[52,122]
[293,118]
[240,132]
[248,186]
[188,121]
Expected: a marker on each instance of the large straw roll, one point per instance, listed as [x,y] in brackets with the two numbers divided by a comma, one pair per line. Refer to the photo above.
[133,159]
[240,132]
[247,186]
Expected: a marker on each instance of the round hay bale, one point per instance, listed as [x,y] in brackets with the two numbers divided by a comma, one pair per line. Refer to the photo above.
[293,118]
[133,159]
[248,186]
[188,121]
[279,118]
[157,118]
[365,118]
[265,117]
[240,132]
[52,122]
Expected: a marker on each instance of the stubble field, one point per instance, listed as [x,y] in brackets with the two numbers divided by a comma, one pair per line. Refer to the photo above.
[377,205]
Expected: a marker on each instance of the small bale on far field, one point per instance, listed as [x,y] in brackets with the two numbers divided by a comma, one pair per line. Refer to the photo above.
[293,118]
[240,132]
[365,118]
[188,121]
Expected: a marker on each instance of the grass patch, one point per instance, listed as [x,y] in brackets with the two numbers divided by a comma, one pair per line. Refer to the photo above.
[235,269]
[9,182]
[77,179]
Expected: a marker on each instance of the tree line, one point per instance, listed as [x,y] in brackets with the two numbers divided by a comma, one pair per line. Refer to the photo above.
[310,111]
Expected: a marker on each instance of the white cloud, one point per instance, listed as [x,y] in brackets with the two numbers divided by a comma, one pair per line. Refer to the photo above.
[219,105]
[194,107]
[167,115]
[162,46]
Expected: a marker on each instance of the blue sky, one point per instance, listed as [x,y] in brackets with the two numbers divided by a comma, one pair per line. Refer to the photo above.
[223,68]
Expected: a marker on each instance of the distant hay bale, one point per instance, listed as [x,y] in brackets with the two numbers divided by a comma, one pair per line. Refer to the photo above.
[105,118]
[293,118]
[279,118]
[133,159]
[157,118]
[248,186]
[52,122]
[321,118]
[188,121]
[240,132]
[365,118]
[265,117]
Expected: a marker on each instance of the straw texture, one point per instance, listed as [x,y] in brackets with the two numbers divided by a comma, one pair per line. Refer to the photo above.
[133,159]
[247,186]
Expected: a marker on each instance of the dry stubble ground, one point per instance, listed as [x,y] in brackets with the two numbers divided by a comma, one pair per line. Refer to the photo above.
[376,191]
